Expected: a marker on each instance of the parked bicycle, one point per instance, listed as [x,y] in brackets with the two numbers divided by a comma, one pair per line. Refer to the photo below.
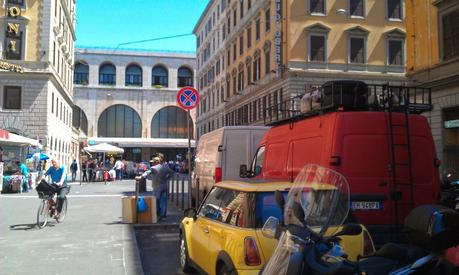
[49,195]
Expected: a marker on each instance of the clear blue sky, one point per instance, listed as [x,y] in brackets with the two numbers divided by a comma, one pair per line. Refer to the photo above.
[107,23]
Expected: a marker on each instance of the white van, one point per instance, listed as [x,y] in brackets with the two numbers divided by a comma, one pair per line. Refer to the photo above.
[221,152]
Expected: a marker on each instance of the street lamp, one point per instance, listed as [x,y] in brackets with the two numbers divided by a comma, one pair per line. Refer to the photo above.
[340,11]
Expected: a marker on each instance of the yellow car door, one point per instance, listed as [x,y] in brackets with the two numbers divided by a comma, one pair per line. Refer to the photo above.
[199,242]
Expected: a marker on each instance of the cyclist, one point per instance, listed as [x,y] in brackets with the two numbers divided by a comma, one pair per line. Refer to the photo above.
[58,174]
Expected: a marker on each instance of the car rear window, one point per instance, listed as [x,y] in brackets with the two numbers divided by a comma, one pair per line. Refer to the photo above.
[266,206]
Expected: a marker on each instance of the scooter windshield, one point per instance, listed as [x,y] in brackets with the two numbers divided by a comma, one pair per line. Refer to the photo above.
[318,199]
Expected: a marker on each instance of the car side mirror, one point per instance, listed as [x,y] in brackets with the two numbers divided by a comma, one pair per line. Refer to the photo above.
[269,229]
[243,171]
[190,213]
[350,229]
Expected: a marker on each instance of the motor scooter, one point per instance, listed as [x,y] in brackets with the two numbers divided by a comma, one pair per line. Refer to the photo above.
[309,240]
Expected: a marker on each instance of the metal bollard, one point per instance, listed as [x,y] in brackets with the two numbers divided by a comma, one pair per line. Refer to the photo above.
[183,194]
[189,195]
[177,192]
[172,191]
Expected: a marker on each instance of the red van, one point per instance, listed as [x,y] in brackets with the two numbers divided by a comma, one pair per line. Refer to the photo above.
[384,149]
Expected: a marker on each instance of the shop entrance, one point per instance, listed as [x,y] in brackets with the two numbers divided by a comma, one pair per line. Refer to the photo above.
[451,138]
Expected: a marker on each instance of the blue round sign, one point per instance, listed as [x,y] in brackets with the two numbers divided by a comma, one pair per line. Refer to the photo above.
[188,98]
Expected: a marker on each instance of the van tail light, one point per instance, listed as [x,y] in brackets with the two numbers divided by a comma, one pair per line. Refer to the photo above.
[437,163]
[218,174]
[368,247]
[251,255]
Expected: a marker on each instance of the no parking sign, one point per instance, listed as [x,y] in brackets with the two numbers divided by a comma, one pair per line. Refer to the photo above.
[188,98]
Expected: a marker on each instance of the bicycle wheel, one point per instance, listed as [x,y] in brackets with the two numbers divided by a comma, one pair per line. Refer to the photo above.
[63,212]
[42,214]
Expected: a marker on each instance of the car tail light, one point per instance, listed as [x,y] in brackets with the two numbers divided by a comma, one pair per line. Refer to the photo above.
[251,255]
[368,247]
[218,174]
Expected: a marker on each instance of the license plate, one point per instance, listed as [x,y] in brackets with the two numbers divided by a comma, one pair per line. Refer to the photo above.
[367,205]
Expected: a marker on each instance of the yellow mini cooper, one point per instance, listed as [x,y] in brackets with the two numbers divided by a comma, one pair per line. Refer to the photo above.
[224,235]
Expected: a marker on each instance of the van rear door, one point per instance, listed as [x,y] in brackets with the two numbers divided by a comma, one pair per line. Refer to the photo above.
[235,150]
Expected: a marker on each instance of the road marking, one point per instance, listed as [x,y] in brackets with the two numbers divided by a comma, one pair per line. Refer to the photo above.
[68,196]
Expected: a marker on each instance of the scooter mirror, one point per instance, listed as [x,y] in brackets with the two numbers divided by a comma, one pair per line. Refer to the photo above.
[350,229]
[270,227]
[279,199]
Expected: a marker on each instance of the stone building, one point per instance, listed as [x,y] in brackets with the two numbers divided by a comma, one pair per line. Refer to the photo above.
[433,62]
[255,54]
[128,98]
[36,58]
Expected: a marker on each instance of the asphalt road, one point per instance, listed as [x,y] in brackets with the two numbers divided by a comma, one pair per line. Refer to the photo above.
[92,240]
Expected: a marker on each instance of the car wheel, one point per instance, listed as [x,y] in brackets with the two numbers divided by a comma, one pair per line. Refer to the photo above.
[225,270]
[184,259]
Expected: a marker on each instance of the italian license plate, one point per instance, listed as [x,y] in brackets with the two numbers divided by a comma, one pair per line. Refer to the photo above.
[367,205]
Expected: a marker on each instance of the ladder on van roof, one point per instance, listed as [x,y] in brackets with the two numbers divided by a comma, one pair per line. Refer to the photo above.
[400,168]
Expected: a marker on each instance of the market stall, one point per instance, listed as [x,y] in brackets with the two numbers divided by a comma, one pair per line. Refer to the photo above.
[15,148]
[104,148]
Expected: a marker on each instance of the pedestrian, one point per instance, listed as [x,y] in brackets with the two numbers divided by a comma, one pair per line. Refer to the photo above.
[84,169]
[165,174]
[58,176]
[159,175]
[25,177]
[74,169]
[118,165]
[91,169]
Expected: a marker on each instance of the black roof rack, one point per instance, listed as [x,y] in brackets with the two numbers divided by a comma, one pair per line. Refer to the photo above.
[348,95]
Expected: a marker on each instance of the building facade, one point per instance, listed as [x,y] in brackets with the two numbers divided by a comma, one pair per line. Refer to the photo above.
[128,98]
[433,61]
[36,74]
[252,54]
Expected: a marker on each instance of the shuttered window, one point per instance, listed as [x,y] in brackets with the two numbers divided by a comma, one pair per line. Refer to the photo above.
[450,35]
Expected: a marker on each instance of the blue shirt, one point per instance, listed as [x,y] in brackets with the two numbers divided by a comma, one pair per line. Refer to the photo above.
[23,169]
[56,174]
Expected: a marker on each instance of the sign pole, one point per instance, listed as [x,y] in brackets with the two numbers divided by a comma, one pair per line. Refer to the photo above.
[190,167]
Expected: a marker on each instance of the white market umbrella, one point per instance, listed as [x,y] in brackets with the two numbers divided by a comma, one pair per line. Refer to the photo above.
[104,148]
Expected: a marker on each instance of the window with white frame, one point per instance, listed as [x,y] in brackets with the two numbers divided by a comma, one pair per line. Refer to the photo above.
[317,6]
[317,48]
[394,9]
[249,37]
[356,8]
[395,52]
[357,49]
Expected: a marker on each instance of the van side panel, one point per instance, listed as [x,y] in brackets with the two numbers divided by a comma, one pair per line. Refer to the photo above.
[207,158]
[276,160]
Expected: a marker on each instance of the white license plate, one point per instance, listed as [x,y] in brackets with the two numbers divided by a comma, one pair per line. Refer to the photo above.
[366,205]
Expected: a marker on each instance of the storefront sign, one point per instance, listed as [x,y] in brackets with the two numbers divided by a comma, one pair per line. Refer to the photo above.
[11,67]
[452,124]
[91,142]
[278,37]
[13,37]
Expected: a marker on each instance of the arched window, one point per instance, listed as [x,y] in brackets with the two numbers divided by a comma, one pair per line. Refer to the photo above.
[170,122]
[119,121]
[133,76]
[159,76]
[185,77]
[79,120]
[107,74]
[81,74]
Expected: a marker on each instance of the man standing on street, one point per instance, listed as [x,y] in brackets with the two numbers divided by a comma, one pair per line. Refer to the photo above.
[74,169]
[159,175]
[25,177]
[118,165]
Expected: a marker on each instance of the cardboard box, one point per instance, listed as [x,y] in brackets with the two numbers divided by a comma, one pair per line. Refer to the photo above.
[129,210]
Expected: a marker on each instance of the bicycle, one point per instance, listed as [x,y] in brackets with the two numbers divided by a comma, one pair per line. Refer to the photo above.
[48,205]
